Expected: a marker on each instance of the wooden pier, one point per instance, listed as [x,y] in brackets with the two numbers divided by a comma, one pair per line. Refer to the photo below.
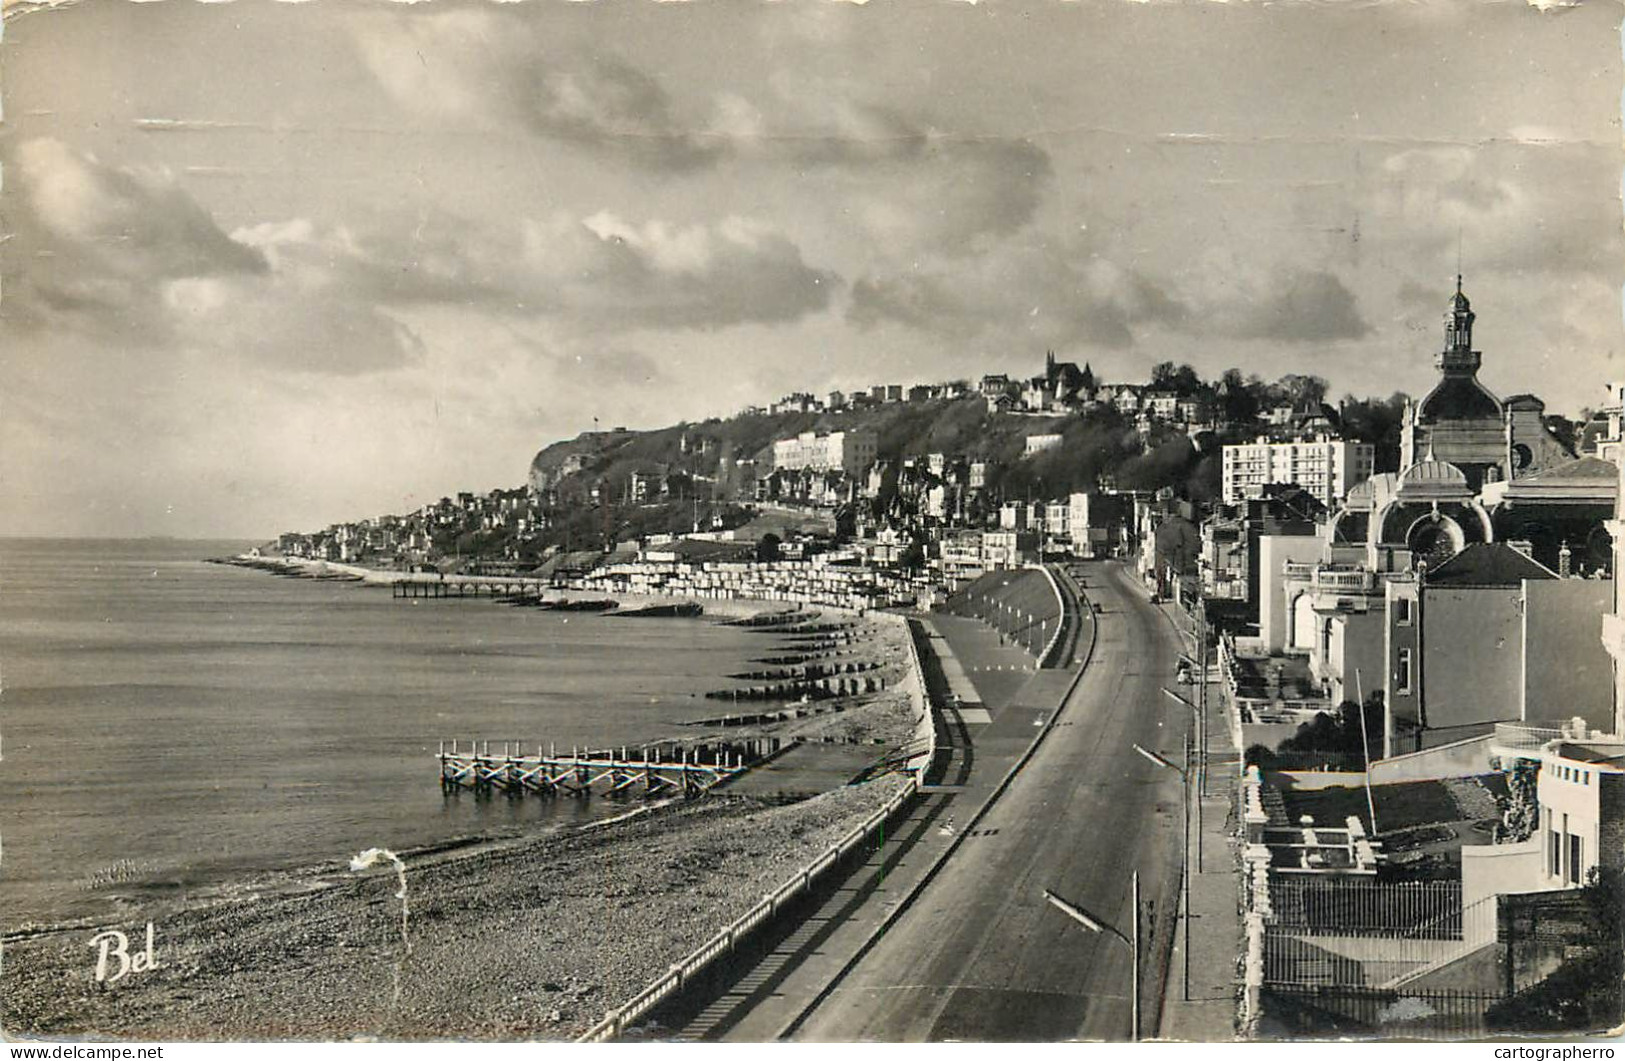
[665,770]
[465,586]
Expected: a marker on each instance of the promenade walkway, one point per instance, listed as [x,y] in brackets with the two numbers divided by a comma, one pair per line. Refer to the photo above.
[762,995]
[1200,1004]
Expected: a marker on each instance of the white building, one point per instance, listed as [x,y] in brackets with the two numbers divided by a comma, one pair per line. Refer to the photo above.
[1058,519]
[1325,467]
[1040,443]
[1014,516]
[846,451]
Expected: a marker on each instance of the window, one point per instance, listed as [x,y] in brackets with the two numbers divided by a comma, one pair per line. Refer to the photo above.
[1574,859]
[1402,673]
[1554,847]
[1402,611]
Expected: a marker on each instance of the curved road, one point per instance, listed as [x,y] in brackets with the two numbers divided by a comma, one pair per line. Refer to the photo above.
[980,955]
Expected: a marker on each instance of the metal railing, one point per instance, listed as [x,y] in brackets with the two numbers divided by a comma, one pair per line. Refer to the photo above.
[1326,578]
[1352,906]
[1350,1010]
[1524,738]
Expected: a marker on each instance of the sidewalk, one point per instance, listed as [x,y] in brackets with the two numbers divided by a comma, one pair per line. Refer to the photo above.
[1207,1012]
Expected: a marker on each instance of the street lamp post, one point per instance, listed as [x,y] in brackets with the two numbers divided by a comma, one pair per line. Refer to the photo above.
[1185,855]
[1077,914]
[1201,759]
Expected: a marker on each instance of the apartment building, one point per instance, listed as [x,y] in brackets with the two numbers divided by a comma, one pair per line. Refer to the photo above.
[1324,466]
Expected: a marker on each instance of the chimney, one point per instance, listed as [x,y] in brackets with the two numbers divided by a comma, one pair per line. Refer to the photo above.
[1563,558]
[1524,547]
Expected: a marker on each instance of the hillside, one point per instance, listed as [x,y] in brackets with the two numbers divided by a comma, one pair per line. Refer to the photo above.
[693,471]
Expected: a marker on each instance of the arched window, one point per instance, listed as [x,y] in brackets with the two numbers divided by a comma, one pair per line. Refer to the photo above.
[1434,539]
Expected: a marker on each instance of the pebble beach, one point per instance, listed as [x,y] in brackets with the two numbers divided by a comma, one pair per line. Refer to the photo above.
[529,939]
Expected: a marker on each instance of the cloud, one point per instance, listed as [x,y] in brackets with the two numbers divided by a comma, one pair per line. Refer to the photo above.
[954,198]
[134,223]
[1054,296]
[129,259]
[919,185]
[487,68]
[1291,306]
[1507,207]
[286,323]
[602,273]
[1068,293]
[658,275]
[94,242]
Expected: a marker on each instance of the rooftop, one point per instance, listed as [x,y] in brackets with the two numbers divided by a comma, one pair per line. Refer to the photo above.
[1458,398]
[1488,564]
[1587,752]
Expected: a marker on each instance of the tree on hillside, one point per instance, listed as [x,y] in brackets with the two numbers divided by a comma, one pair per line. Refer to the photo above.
[1377,421]
[1182,379]
[1239,402]
[1168,464]
[1300,391]
[1205,483]
[767,550]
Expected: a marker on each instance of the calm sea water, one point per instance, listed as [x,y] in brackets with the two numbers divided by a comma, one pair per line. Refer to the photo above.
[170,724]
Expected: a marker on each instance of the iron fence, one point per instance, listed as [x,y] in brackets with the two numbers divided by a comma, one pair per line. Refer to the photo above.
[1344,906]
[1438,1014]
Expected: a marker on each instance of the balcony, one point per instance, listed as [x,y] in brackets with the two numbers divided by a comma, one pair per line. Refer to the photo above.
[1344,580]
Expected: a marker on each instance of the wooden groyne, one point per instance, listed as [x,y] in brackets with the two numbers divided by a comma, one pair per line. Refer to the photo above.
[809,671]
[690,610]
[765,718]
[803,689]
[772,620]
[655,770]
[801,629]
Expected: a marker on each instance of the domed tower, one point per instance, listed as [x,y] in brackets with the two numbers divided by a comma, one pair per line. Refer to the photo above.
[1459,420]
[1458,356]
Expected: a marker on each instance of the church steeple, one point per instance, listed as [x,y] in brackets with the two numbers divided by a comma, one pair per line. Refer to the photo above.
[1458,356]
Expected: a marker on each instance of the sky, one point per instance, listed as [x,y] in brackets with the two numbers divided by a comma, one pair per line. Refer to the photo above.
[265,266]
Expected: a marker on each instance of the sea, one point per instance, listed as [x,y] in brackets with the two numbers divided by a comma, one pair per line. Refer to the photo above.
[171,727]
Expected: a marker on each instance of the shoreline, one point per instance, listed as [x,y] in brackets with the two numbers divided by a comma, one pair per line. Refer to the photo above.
[636,891]
[535,938]
[714,607]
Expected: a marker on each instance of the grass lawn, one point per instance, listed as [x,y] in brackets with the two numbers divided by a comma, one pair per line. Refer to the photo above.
[1399,806]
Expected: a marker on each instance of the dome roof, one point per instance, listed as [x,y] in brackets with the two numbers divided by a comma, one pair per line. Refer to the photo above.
[1362,497]
[1431,471]
[1458,398]
[1433,480]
